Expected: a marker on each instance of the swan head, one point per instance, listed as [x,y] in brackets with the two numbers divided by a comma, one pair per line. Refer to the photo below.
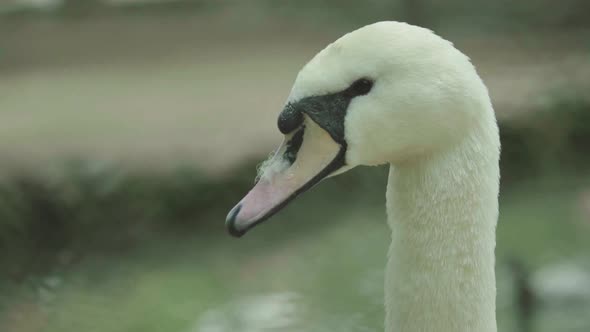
[389,92]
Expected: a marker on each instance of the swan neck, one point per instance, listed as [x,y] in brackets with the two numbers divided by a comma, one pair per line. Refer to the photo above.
[442,213]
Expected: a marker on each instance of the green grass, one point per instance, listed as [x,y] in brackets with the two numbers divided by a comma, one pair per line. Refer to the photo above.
[332,259]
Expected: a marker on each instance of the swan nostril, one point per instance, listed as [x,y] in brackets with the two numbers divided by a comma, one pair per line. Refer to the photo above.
[294,145]
[289,119]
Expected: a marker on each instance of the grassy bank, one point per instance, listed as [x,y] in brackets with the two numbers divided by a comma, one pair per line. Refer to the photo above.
[196,278]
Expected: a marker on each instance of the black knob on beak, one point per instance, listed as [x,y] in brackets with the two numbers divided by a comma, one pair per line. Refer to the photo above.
[289,119]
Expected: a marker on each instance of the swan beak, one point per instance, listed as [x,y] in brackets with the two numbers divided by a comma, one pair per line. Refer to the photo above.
[305,158]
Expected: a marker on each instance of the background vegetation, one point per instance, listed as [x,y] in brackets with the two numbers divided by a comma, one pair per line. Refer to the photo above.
[129,128]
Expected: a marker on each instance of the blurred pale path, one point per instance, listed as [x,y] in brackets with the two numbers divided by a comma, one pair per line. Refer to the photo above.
[196,98]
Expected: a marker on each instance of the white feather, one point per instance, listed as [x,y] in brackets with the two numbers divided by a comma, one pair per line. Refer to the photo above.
[430,117]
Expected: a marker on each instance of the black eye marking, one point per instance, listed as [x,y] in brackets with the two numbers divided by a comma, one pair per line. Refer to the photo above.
[328,111]
[293,146]
[360,87]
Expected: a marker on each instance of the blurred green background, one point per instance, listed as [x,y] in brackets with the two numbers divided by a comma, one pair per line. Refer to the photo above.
[128,129]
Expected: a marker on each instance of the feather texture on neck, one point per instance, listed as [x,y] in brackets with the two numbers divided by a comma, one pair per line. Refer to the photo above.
[442,212]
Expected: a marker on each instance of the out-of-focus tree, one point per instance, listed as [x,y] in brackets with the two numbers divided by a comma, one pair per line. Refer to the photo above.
[578,15]
[81,6]
[81,3]
[414,12]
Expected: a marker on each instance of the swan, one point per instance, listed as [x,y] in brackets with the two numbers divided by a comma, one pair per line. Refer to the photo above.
[398,94]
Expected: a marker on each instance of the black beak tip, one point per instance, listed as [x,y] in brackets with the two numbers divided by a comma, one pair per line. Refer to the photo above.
[235,232]
[230,222]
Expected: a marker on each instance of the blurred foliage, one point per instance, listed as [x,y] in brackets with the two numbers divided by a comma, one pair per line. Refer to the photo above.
[430,13]
[84,8]
[554,136]
[93,207]
[46,220]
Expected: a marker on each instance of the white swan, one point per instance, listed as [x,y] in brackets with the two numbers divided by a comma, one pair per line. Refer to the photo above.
[393,93]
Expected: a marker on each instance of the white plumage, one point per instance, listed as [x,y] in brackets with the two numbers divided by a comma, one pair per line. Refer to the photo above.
[430,117]
[423,110]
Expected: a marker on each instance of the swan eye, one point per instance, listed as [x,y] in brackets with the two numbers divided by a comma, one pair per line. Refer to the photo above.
[361,87]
